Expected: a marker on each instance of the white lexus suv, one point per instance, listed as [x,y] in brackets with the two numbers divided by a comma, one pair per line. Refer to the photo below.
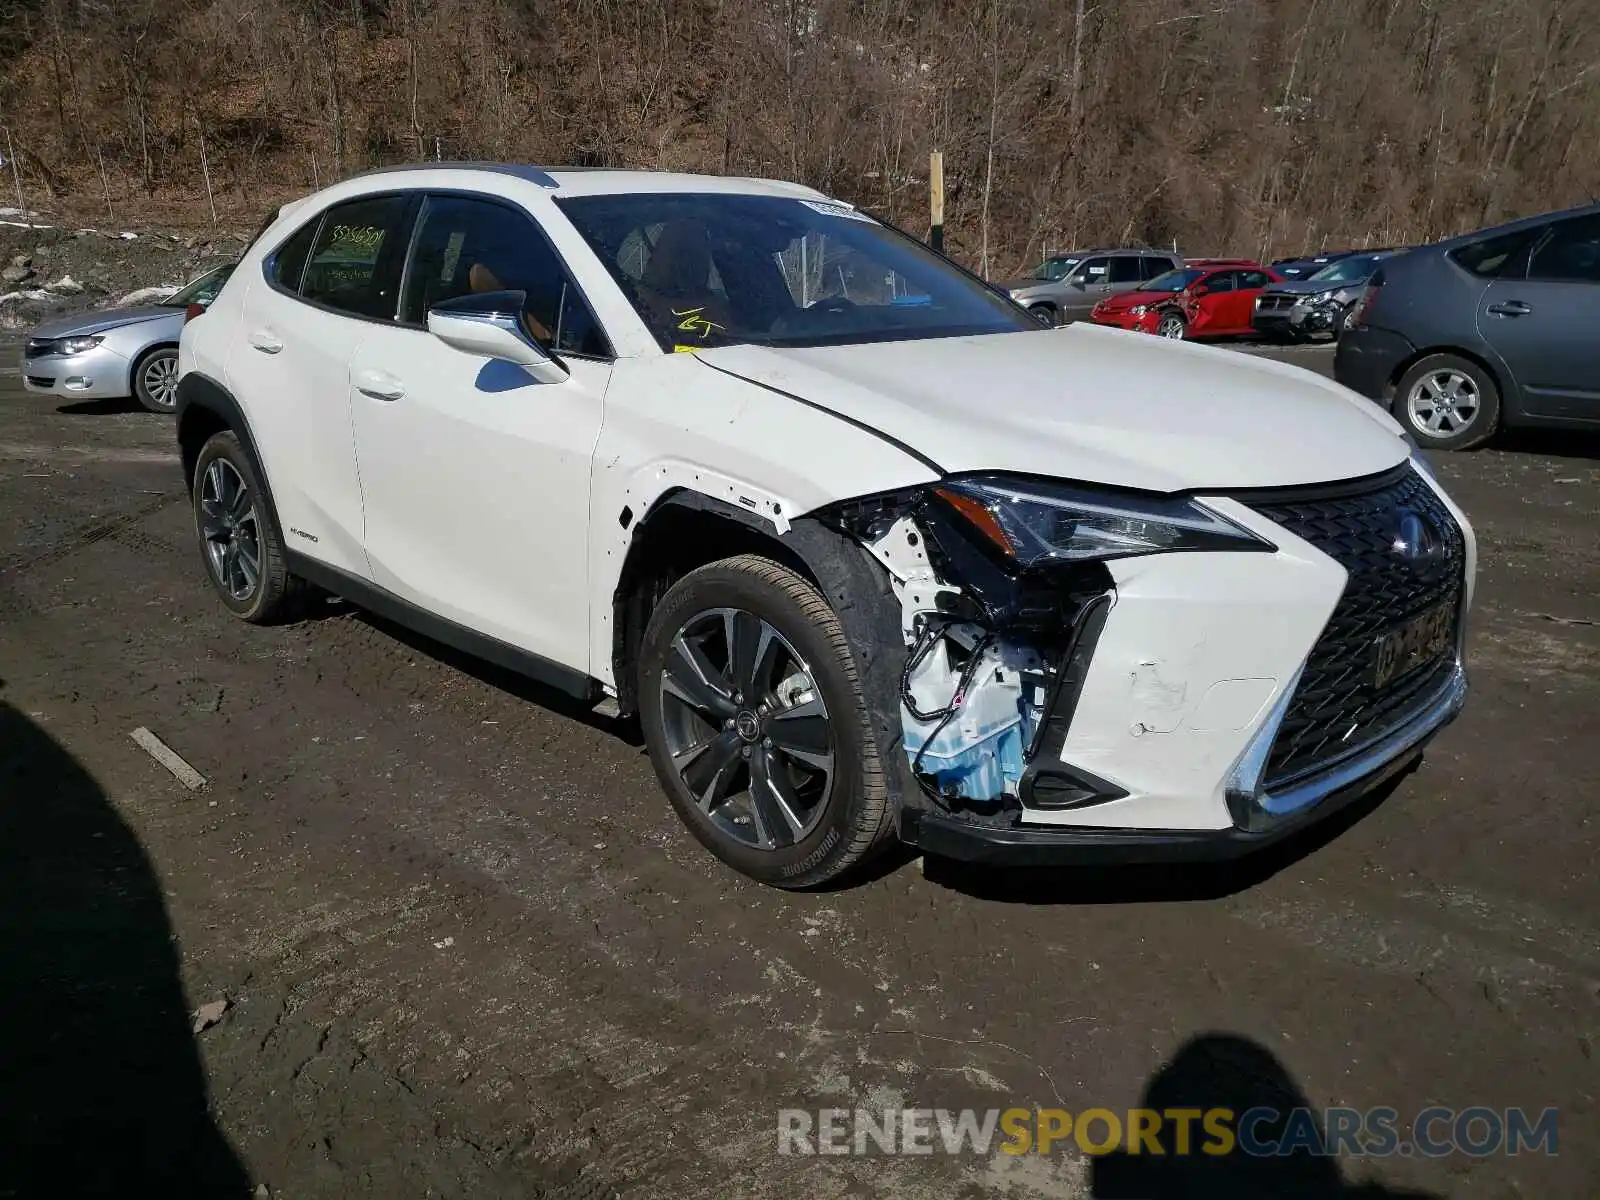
[869,552]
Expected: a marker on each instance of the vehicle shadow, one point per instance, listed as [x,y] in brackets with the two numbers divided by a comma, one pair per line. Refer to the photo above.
[101,1087]
[501,678]
[1152,883]
[1218,1070]
[102,408]
[1551,442]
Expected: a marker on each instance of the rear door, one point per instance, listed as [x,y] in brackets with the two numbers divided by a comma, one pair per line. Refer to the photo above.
[1242,302]
[325,288]
[1126,273]
[1546,327]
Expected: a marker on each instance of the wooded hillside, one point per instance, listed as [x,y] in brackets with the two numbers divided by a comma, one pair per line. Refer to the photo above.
[1226,126]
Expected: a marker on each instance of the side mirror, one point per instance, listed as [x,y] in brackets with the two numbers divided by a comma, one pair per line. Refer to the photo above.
[491,324]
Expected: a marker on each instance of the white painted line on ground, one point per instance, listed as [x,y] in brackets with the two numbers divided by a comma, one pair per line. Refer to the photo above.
[168,758]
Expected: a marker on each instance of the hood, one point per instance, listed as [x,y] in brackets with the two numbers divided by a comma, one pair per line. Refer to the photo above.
[1122,301]
[1091,404]
[82,324]
[1309,287]
[1026,285]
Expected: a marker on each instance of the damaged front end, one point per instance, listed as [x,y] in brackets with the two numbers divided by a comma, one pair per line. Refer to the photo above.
[1003,589]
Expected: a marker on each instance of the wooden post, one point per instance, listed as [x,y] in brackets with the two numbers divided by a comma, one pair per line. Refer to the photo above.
[936,200]
[205,170]
[105,184]
[16,175]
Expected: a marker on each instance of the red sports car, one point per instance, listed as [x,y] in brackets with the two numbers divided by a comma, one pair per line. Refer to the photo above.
[1191,302]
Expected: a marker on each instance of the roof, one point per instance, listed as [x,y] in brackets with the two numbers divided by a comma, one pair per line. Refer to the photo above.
[597,181]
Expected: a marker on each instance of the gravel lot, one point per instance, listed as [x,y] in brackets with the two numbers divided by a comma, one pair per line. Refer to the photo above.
[467,950]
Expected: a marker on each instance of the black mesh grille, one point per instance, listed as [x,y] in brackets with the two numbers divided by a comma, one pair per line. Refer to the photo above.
[1337,708]
[1275,302]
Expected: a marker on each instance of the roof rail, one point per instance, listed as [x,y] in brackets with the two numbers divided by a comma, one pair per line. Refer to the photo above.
[524,171]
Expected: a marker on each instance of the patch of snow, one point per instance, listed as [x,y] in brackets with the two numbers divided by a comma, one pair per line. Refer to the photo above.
[128,237]
[146,295]
[26,294]
[65,284]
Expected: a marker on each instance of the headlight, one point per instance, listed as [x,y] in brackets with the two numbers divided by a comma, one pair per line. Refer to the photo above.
[77,345]
[1138,310]
[1035,522]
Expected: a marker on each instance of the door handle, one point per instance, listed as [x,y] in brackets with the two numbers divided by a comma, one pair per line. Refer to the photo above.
[265,342]
[1509,308]
[379,385]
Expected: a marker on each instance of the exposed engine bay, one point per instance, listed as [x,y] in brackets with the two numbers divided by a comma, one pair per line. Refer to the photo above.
[987,649]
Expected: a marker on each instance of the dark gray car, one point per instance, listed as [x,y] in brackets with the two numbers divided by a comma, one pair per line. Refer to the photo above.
[1300,309]
[1496,328]
[1066,287]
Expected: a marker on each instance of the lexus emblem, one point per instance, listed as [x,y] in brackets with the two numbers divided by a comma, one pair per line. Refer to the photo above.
[1418,542]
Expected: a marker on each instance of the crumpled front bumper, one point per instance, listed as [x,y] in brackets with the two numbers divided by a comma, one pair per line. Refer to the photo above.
[1182,693]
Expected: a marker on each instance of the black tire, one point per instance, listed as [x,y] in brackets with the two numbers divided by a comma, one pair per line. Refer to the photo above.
[163,356]
[1045,314]
[1172,319]
[276,595]
[853,819]
[1410,403]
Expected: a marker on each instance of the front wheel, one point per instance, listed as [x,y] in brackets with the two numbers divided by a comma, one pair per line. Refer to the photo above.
[1448,403]
[1172,325]
[1043,314]
[753,714]
[155,380]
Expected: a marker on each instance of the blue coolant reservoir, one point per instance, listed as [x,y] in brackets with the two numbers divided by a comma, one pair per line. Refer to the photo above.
[980,752]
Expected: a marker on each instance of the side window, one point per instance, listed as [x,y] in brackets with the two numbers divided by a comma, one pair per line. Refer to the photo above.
[1503,257]
[1155,267]
[1222,281]
[465,245]
[288,265]
[1571,254]
[355,260]
[1253,279]
[1092,272]
[1126,269]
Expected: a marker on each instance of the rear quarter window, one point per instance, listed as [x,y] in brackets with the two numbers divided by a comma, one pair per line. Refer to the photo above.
[1501,257]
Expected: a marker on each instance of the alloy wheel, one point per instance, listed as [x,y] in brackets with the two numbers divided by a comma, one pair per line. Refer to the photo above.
[1443,402]
[746,728]
[160,379]
[1172,326]
[232,530]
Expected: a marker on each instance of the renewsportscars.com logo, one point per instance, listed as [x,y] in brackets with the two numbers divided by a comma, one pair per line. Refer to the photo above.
[1259,1132]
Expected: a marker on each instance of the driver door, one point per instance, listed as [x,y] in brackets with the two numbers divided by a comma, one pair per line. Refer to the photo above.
[1089,284]
[476,476]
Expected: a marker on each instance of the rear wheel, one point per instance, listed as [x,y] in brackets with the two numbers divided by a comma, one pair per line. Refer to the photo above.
[1172,325]
[755,722]
[243,557]
[155,379]
[1448,403]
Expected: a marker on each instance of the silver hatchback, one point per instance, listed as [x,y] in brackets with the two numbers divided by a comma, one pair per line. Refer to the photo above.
[117,352]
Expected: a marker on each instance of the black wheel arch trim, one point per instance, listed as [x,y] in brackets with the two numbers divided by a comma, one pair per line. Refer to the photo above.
[199,391]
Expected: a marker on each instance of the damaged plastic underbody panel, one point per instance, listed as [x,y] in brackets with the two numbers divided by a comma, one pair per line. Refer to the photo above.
[994,655]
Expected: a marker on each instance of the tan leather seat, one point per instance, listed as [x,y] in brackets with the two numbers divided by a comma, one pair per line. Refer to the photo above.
[481,279]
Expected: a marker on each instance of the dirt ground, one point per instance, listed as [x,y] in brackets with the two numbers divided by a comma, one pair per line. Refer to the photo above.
[467,950]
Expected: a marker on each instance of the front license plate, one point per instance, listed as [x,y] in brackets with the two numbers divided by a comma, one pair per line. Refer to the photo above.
[1421,639]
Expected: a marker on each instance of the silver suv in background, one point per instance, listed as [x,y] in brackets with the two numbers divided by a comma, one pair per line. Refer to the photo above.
[1066,287]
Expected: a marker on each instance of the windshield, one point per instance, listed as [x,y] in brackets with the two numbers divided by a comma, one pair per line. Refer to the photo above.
[1347,270]
[1053,269]
[202,291]
[708,270]
[1172,281]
